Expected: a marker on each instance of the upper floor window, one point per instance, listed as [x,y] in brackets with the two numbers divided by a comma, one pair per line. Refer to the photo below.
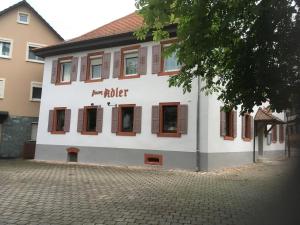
[130,59]
[170,62]
[64,70]
[36,91]
[5,48]
[23,18]
[94,70]
[31,56]
[2,87]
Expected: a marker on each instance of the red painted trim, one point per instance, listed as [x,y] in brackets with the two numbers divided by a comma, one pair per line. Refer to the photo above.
[228,138]
[57,82]
[72,150]
[159,157]
[84,131]
[164,134]
[119,132]
[54,131]
[87,75]
[122,75]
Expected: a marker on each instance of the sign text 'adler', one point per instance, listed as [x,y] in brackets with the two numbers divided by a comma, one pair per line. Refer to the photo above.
[111,93]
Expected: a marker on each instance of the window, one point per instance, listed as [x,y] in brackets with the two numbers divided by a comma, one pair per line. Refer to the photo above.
[126,120]
[247,127]
[129,62]
[23,18]
[90,120]
[31,56]
[168,121]
[170,63]
[64,70]
[153,159]
[94,71]
[34,127]
[2,87]
[5,48]
[228,126]
[59,120]
[36,91]
[281,133]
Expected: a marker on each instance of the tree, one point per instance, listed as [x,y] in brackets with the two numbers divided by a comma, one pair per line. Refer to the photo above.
[246,51]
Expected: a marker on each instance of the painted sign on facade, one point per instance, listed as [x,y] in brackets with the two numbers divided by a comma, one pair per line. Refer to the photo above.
[111,93]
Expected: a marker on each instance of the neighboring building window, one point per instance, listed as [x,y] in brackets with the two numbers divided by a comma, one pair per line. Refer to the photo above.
[34,127]
[5,48]
[228,124]
[2,87]
[126,120]
[94,71]
[23,18]
[36,91]
[31,56]
[274,134]
[64,70]
[90,120]
[129,62]
[59,120]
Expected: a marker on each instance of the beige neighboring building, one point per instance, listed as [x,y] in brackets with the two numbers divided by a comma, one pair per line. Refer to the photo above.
[21,30]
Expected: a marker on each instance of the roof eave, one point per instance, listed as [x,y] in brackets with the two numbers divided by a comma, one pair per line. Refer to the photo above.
[102,42]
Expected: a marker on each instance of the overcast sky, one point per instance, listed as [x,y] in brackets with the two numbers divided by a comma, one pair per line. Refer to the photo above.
[71,18]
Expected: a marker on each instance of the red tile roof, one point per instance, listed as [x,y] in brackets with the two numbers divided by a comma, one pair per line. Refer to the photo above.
[266,116]
[129,23]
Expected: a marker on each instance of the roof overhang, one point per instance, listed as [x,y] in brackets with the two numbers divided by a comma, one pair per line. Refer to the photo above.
[97,43]
[267,117]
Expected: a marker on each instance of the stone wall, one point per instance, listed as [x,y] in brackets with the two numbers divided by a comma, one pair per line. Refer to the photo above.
[15,131]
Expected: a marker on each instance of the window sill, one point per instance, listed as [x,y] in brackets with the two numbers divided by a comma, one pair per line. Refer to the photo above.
[247,139]
[228,138]
[35,100]
[35,61]
[63,83]
[129,77]
[274,142]
[93,81]
[126,134]
[24,23]
[170,73]
[177,135]
[58,132]
[5,57]
[89,132]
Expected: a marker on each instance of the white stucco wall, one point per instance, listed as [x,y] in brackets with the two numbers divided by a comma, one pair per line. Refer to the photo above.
[145,91]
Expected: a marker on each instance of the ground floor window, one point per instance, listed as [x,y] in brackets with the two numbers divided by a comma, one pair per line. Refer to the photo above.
[274,134]
[59,120]
[169,118]
[281,133]
[90,119]
[228,121]
[126,118]
[247,127]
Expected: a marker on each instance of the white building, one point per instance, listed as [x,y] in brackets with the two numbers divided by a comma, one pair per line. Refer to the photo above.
[106,100]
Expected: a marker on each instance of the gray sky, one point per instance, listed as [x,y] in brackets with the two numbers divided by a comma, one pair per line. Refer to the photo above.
[71,18]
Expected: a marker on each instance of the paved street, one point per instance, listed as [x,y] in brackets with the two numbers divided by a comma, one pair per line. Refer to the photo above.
[44,193]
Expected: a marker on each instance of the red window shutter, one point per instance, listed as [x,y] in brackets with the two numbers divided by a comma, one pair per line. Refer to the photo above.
[156,59]
[106,66]
[155,119]
[99,122]
[183,119]
[80,120]
[243,126]
[252,127]
[74,68]
[281,133]
[83,68]
[137,123]
[142,66]
[50,120]
[117,64]
[234,124]
[114,120]
[67,120]
[54,71]
[222,123]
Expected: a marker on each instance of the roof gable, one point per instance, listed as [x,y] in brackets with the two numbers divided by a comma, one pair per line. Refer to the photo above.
[26,4]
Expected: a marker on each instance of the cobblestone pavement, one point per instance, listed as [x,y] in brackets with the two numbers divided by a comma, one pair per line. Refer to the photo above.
[49,193]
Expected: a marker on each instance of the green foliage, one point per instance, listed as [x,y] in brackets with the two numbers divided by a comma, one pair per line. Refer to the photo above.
[246,51]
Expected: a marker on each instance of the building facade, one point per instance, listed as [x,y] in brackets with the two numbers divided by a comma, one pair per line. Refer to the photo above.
[22,30]
[106,99]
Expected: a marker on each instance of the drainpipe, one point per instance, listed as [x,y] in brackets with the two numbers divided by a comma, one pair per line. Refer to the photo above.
[198,126]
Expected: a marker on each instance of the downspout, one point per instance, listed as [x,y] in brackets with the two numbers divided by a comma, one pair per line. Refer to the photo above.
[198,126]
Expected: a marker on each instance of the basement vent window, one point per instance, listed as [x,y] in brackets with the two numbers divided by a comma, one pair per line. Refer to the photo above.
[151,159]
[72,157]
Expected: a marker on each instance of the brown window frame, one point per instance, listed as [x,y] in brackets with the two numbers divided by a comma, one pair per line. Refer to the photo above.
[122,71]
[54,122]
[230,129]
[147,162]
[162,59]
[119,132]
[247,127]
[165,134]
[58,75]
[88,75]
[84,125]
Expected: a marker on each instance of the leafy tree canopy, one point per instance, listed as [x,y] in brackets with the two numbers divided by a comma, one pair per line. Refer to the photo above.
[245,50]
